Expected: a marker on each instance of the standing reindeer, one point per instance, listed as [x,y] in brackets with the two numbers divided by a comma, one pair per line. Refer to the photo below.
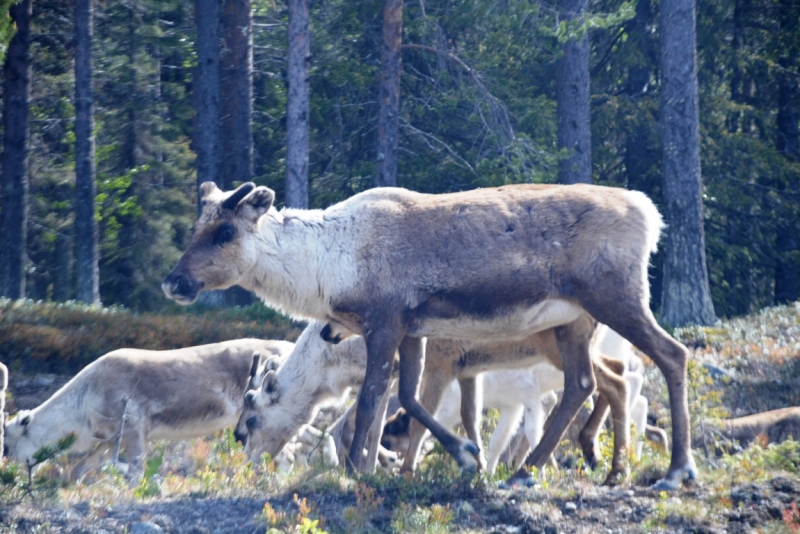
[491,264]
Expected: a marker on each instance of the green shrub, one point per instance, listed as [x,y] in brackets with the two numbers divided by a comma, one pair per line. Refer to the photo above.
[65,337]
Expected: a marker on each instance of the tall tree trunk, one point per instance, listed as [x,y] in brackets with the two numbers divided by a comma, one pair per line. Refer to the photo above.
[17,91]
[207,92]
[638,151]
[389,94]
[572,109]
[62,277]
[236,163]
[686,296]
[297,106]
[787,268]
[237,92]
[88,275]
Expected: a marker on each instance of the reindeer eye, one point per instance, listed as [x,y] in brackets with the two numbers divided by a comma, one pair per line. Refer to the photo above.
[224,233]
[251,422]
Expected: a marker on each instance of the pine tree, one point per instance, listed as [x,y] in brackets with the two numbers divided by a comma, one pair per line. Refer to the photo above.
[16,94]
[685,295]
[88,273]
[389,94]
[572,94]
[297,105]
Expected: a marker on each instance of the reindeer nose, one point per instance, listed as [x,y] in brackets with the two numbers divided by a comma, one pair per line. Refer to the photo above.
[181,287]
[240,437]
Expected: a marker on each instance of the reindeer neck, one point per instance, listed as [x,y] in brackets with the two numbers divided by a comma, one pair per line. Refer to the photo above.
[292,263]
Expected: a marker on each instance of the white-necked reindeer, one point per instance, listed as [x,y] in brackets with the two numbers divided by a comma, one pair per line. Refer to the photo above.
[490,264]
[316,374]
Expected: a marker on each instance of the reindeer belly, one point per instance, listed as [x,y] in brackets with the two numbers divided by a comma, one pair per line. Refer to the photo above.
[191,429]
[505,324]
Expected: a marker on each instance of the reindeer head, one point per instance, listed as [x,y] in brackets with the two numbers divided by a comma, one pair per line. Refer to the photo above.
[21,443]
[266,425]
[221,250]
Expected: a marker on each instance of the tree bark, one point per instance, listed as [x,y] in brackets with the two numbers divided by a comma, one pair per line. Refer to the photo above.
[686,296]
[17,91]
[237,93]
[207,92]
[572,108]
[236,164]
[638,146]
[297,106]
[389,94]
[787,268]
[62,277]
[88,275]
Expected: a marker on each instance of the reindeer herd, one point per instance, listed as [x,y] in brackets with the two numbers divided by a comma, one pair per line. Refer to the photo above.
[492,297]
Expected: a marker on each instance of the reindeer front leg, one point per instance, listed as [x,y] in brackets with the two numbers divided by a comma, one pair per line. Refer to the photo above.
[382,344]
[412,358]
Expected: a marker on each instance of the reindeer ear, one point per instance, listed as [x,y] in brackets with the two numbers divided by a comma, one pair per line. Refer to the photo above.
[236,197]
[256,363]
[206,189]
[257,203]
[272,364]
[271,387]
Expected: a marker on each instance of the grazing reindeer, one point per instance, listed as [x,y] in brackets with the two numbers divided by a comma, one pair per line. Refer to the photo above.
[491,264]
[168,394]
[314,375]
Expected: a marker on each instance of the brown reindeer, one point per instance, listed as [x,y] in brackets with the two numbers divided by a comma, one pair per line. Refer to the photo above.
[490,264]
[774,426]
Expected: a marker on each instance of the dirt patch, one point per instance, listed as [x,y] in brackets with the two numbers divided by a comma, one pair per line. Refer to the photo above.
[579,508]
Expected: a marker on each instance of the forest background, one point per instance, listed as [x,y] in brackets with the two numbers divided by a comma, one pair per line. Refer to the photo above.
[477,107]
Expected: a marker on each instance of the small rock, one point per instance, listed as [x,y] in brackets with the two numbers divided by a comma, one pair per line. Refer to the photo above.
[466,508]
[164,521]
[570,507]
[785,485]
[145,527]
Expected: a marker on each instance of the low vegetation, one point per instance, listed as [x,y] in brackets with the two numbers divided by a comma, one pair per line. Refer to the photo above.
[752,491]
[48,337]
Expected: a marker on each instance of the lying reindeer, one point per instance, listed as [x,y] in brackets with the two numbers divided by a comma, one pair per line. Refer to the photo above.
[774,426]
[132,396]
[486,265]
[317,372]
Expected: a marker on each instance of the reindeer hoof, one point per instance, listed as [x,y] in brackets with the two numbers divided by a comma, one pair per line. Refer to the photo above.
[468,458]
[614,478]
[675,477]
[513,482]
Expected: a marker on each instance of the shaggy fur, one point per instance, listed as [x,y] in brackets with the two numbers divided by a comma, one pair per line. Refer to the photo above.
[172,394]
[314,375]
[394,265]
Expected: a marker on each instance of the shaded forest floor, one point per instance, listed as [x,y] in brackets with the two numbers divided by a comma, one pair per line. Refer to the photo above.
[206,486]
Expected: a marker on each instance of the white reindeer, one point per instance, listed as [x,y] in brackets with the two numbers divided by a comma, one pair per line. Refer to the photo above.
[317,373]
[490,264]
[132,396]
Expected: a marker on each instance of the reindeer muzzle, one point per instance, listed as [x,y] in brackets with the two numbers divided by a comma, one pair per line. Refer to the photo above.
[181,288]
